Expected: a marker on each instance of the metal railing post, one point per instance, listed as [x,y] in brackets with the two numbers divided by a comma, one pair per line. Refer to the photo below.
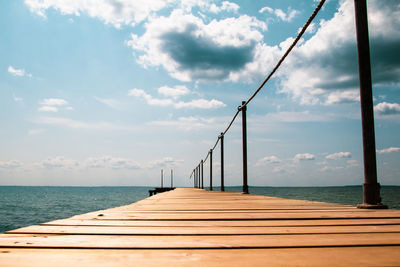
[162,178]
[194,178]
[371,187]
[198,176]
[197,173]
[221,137]
[202,174]
[243,109]
[211,162]
[172,179]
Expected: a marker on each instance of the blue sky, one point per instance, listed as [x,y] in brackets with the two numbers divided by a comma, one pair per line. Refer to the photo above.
[110,92]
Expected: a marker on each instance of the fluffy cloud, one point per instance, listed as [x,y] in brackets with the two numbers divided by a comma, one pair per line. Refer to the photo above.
[48,109]
[112,103]
[303,157]
[76,124]
[270,159]
[173,92]
[385,108]
[189,49]
[18,72]
[225,6]
[324,68]
[36,131]
[52,104]
[114,12]
[165,162]
[285,16]
[11,164]
[111,162]
[339,97]
[339,155]
[103,162]
[59,162]
[198,103]
[388,150]
[194,123]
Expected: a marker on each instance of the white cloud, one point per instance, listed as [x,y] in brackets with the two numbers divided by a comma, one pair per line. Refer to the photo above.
[385,108]
[35,131]
[295,116]
[111,162]
[48,109]
[59,162]
[190,50]
[173,92]
[303,157]
[339,155]
[17,99]
[324,68]
[270,159]
[311,28]
[285,16]
[18,72]
[198,103]
[114,12]
[165,162]
[194,123]
[149,99]
[340,97]
[266,9]
[53,102]
[11,164]
[226,6]
[112,103]
[75,124]
[388,150]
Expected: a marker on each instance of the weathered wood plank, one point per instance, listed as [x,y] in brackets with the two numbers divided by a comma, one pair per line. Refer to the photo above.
[196,241]
[350,256]
[206,230]
[106,215]
[232,223]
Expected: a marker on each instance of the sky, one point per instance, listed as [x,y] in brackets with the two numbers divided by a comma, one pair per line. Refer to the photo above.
[109,92]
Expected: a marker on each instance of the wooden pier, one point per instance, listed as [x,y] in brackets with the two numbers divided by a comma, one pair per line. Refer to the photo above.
[193,227]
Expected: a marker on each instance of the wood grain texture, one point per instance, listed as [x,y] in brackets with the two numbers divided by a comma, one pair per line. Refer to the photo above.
[193,227]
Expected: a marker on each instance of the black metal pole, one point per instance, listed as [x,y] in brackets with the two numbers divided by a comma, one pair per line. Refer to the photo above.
[198,176]
[371,188]
[202,174]
[196,170]
[243,109]
[172,179]
[162,178]
[194,178]
[211,163]
[221,137]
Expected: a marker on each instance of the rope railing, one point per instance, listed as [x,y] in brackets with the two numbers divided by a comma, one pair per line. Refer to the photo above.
[198,171]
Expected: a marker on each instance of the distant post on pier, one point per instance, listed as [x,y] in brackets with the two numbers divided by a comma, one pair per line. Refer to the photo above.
[194,178]
[221,137]
[371,187]
[202,174]
[211,152]
[243,109]
[172,178]
[162,178]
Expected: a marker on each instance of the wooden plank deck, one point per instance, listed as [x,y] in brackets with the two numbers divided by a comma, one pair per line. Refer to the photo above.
[193,227]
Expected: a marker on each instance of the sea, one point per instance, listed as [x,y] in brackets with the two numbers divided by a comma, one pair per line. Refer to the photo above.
[27,205]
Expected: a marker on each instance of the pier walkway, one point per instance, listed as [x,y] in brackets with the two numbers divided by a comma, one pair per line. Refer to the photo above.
[194,227]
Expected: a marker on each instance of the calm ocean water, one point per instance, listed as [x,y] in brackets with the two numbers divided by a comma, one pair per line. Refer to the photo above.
[26,205]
